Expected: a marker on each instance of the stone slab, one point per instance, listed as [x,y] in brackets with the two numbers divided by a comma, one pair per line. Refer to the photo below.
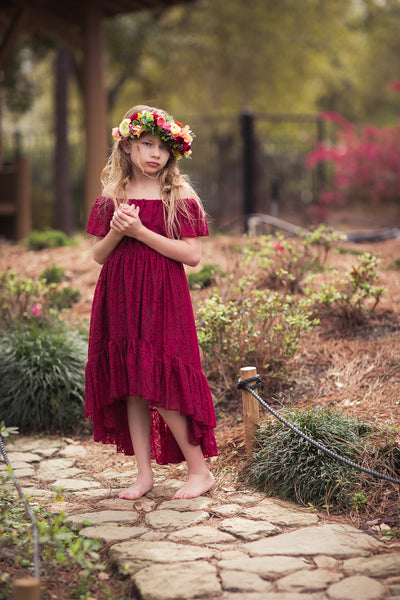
[53,474]
[381,565]
[357,587]
[270,568]
[112,533]
[73,451]
[226,510]
[28,457]
[239,581]
[278,514]
[161,552]
[187,504]
[183,582]
[201,535]
[74,484]
[87,494]
[272,596]
[246,529]
[104,516]
[171,520]
[307,582]
[341,541]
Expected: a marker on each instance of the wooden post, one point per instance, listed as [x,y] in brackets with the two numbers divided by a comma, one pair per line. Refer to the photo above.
[251,412]
[27,588]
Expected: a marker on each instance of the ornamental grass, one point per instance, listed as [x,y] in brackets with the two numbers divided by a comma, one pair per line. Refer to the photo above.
[287,466]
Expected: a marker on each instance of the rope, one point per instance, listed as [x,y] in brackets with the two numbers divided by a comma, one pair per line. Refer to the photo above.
[36,555]
[256,382]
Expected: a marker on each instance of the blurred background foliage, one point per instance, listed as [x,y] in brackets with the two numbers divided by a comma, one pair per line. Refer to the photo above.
[219,56]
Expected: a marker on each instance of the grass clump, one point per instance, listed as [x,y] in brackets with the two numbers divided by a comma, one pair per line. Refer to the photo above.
[42,378]
[287,466]
[204,278]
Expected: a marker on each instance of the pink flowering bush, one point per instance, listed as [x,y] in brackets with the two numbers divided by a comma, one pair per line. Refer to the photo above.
[366,162]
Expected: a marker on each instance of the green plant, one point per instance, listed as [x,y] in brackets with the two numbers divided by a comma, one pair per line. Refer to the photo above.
[42,378]
[252,327]
[204,278]
[353,297]
[67,560]
[288,466]
[282,262]
[53,274]
[24,300]
[49,238]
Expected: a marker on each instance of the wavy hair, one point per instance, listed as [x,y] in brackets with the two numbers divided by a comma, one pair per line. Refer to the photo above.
[175,186]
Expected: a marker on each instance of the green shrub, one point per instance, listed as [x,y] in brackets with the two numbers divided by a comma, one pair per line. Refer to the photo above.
[24,300]
[282,263]
[252,327]
[287,466]
[351,297]
[41,378]
[53,274]
[204,278]
[49,238]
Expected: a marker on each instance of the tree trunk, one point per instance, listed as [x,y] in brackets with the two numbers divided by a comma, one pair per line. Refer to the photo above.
[63,205]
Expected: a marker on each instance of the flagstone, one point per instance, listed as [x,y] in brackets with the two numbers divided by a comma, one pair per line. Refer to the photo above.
[341,541]
[187,504]
[103,516]
[73,451]
[308,581]
[183,582]
[238,581]
[161,552]
[74,484]
[112,533]
[226,510]
[268,510]
[274,566]
[247,529]
[52,474]
[358,587]
[201,535]
[381,565]
[172,520]
[27,457]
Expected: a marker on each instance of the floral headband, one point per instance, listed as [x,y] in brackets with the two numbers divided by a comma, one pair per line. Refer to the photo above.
[171,132]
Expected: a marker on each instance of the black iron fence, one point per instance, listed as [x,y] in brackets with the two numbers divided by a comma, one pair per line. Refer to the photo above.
[245,164]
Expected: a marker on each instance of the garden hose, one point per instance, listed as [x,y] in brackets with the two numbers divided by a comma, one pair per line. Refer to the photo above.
[256,382]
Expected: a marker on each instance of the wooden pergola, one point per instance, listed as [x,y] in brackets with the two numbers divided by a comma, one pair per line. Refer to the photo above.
[80,23]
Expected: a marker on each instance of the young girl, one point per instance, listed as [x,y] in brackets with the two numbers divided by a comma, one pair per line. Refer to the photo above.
[145,389]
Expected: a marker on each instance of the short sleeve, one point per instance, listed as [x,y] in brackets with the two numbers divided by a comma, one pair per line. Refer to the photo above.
[195,224]
[100,217]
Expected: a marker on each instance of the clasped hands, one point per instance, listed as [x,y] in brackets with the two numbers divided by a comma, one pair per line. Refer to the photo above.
[126,220]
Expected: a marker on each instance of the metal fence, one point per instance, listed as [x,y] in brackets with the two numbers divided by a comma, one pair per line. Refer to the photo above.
[245,164]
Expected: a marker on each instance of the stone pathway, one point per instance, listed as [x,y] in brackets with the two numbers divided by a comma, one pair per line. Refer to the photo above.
[226,545]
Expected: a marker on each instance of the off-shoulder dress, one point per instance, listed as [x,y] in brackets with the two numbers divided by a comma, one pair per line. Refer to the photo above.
[143,340]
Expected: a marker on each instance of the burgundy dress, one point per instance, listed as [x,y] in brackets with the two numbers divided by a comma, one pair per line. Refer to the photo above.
[143,340]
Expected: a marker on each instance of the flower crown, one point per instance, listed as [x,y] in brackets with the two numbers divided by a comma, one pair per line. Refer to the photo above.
[173,133]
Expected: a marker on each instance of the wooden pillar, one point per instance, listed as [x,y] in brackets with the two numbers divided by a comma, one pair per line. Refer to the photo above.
[23,214]
[95,103]
[26,589]
[251,411]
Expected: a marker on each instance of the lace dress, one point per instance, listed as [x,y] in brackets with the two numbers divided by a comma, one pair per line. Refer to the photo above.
[143,340]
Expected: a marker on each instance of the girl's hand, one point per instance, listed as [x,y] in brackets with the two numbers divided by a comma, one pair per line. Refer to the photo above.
[126,220]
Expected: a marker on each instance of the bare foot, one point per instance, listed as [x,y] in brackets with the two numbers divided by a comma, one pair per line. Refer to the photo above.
[137,489]
[196,485]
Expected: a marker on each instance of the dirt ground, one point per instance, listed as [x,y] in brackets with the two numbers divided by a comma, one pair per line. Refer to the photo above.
[357,371]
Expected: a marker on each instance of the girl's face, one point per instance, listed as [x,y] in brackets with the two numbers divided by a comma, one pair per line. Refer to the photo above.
[148,154]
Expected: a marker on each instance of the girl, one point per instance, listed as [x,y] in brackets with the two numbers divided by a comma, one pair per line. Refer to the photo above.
[145,390]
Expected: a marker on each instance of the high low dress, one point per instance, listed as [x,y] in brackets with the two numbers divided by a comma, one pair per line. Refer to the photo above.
[143,341]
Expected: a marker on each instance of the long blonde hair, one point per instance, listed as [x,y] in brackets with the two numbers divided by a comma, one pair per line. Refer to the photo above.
[175,186]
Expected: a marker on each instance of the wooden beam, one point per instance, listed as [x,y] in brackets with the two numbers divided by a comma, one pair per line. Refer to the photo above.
[12,33]
[95,103]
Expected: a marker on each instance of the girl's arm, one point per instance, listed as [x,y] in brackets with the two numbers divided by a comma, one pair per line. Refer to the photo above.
[187,250]
[103,246]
